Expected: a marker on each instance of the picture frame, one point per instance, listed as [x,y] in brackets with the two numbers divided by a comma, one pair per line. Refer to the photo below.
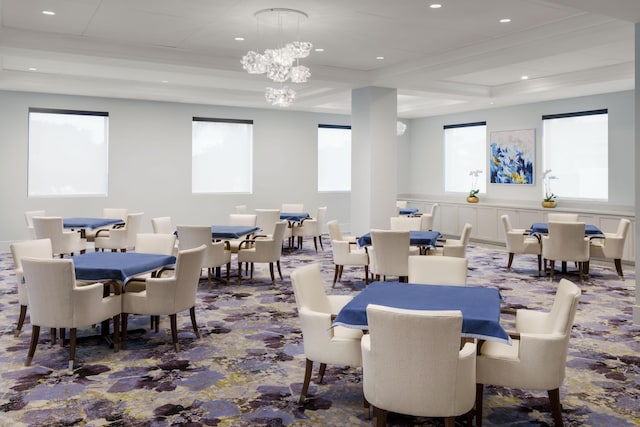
[512,159]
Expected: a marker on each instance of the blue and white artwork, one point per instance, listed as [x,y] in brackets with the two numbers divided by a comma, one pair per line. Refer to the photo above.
[512,156]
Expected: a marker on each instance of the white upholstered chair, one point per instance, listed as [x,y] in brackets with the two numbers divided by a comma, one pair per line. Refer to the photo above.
[216,254]
[391,252]
[249,220]
[263,250]
[168,295]
[55,301]
[421,371]
[455,247]
[562,217]
[611,246]
[401,204]
[519,242]
[266,219]
[407,223]
[36,248]
[428,218]
[162,225]
[566,242]
[336,234]
[311,227]
[111,213]
[536,358]
[119,239]
[347,253]
[63,242]
[151,243]
[292,207]
[28,217]
[437,270]
[322,343]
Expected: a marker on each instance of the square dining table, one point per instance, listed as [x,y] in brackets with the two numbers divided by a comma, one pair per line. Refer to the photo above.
[408,211]
[226,232]
[294,216]
[423,238]
[83,224]
[480,306]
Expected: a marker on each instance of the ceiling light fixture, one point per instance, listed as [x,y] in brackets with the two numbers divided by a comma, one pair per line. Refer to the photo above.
[525,77]
[505,20]
[48,12]
[380,58]
[281,63]
[435,6]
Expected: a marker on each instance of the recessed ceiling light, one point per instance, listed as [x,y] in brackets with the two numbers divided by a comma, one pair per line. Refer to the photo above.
[524,77]
[165,81]
[33,69]
[239,39]
[380,57]
[48,12]
[319,49]
[505,20]
[435,6]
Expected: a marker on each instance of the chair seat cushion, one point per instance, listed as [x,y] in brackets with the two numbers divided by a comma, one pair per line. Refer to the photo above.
[498,350]
[347,333]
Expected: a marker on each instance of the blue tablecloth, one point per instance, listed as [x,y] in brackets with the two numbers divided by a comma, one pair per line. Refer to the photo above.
[232,231]
[120,266]
[543,228]
[480,306]
[416,238]
[409,211]
[89,223]
[293,216]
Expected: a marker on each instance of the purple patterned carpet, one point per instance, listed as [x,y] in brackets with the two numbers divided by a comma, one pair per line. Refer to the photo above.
[247,368]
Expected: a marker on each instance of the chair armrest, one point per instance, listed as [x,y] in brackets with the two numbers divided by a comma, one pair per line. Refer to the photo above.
[103,231]
[246,242]
[120,225]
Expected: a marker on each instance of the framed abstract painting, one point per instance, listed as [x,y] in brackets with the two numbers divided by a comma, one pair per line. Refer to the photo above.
[512,156]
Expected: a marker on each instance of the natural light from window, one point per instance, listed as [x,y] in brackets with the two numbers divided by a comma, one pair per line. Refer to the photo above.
[465,150]
[334,158]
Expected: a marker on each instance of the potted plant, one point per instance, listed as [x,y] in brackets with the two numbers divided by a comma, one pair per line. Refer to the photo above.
[549,200]
[473,194]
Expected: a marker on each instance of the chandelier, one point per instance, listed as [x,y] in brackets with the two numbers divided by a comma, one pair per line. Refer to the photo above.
[280,64]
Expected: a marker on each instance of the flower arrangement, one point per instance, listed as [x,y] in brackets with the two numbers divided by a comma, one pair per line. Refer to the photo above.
[474,182]
[546,179]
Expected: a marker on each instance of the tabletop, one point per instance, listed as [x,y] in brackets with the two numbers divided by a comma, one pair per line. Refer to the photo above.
[90,223]
[480,306]
[120,266]
[416,238]
[543,228]
[232,231]
[408,211]
[294,216]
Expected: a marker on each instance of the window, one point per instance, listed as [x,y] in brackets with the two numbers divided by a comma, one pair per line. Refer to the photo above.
[465,150]
[221,155]
[575,146]
[68,153]
[334,158]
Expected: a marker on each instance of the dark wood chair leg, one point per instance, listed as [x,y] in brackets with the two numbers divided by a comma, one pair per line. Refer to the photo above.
[323,367]
[479,391]
[23,315]
[156,323]
[315,243]
[116,333]
[54,336]
[174,331]
[123,335]
[35,334]
[320,239]
[556,410]
[380,416]
[449,421]
[340,273]
[367,408]
[333,285]
[194,324]
[305,384]
[552,267]
[366,275]
[618,263]
[239,272]
[279,269]
[539,263]
[63,337]
[72,346]
[510,261]
[228,272]
[273,276]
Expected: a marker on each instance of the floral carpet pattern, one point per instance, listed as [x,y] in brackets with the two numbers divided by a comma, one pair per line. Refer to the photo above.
[247,368]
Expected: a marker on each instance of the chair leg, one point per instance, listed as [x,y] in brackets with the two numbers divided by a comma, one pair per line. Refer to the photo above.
[156,324]
[123,336]
[618,263]
[54,336]
[367,408]
[63,337]
[228,272]
[321,246]
[539,263]
[479,391]
[510,261]
[315,243]
[194,325]
[174,331]
[449,421]
[35,334]
[273,276]
[239,271]
[23,315]
[279,269]
[552,268]
[335,278]
[323,367]
[208,279]
[380,416]
[556,409]
[305,384]
[116,333]
[366,275]
[252,269]
[340,273]
[72,346]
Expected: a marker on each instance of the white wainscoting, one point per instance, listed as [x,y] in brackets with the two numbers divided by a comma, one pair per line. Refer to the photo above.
[487,225]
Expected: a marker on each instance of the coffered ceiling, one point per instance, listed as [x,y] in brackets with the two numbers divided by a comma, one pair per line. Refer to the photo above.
[458,57]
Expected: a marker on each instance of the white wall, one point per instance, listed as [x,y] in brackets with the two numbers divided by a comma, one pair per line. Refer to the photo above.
[150,162]
[425,156]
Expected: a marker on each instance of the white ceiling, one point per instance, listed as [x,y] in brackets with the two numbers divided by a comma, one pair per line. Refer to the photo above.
[452,59]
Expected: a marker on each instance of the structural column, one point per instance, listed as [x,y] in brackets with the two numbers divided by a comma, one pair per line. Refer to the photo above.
[636,306]
[374,153]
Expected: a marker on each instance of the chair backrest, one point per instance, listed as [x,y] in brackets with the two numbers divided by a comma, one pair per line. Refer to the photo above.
[115,213]
[434,209]
[266,219]
[187,276]
[623,227]
[241,209]
[309,289]
[566,242]
[506,223]
[37,248]
[240,219]
[407,223]
[401,203]
[292,207]
[272,249]
[321,213]
[428,347]
[466,233]
[391,252]
[162,225]
[334,230]
[153,243]
[132,226]
[48,227]
[437,270]
[562,314]
[193,236]
[562,217]
[28,216]
[50,289]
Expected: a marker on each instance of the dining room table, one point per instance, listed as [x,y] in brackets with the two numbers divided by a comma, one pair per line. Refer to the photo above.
[83,224]
[480,306]
[292,219]
[425,239]
[408,211]
[226,232]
